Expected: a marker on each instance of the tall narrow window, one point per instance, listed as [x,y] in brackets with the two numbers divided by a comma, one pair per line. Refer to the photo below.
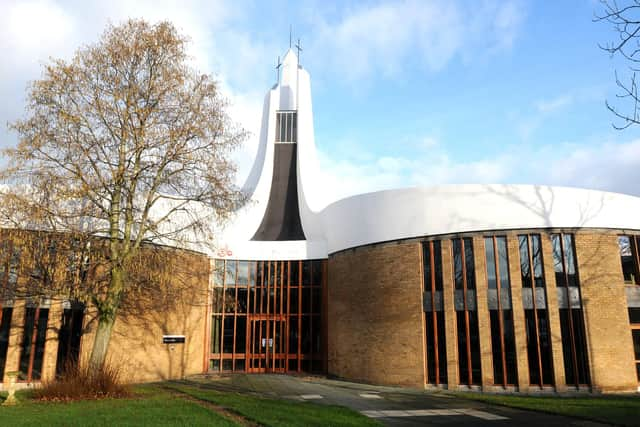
[629,258]
[434,315]
[634,319]
[5,327]
[534,301]
[574,347]
[466,312]
[33,341]
[286,126]
[500,314]
[69,337]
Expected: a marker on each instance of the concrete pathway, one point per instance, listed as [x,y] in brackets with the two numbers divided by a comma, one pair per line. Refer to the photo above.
[392,406]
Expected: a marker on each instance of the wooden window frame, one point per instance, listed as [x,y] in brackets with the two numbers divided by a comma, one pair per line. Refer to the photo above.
[432,287]
[634,242]
[570,309]
[466,309]
[275,276]
[529,239]
[635,327]
[32,345]
[501,329]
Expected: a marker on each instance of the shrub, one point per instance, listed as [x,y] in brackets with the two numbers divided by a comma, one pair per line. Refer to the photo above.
[79,382]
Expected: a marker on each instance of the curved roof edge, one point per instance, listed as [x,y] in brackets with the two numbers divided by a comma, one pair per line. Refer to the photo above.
[421,211]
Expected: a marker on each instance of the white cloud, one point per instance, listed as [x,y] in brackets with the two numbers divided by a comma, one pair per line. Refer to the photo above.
[555,104]
[382,38]
[610,166]
[33,31]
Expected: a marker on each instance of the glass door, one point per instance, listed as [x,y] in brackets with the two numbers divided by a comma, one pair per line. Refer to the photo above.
[267,351]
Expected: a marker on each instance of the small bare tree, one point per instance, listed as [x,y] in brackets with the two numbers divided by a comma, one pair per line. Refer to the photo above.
[625,19]
[124,144]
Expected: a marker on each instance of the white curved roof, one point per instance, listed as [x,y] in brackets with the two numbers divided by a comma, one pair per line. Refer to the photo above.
[413,212]
[394,214]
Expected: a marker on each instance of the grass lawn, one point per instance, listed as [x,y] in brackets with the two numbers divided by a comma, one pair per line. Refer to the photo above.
[152,407]
[280,412]
[155,406]
[619,410]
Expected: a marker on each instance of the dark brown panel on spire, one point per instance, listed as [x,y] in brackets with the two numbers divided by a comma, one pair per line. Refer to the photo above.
[281,219]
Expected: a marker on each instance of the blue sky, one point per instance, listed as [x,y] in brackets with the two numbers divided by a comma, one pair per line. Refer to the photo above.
[405,93]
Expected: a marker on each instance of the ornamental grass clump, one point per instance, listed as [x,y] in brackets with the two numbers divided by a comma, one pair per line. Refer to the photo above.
[80,383]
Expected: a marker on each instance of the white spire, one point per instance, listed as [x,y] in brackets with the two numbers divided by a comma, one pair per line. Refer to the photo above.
[289,81]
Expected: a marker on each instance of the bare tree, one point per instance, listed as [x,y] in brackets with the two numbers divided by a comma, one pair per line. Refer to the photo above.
[124,144]
[625,19]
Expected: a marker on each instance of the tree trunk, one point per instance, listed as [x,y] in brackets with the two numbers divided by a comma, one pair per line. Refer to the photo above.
[107,310]
[101,342]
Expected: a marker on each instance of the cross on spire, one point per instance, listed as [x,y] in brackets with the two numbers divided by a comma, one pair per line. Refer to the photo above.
[278,65]
[299,49]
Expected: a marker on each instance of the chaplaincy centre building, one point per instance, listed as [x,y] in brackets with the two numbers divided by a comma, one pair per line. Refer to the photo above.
[486,287]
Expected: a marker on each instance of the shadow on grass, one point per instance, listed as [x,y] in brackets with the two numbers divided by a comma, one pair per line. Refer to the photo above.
[622,410]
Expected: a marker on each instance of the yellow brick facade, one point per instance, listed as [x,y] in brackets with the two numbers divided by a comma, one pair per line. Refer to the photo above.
[376,323]
[136,344]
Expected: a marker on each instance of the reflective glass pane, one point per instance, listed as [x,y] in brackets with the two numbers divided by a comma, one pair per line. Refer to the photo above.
[306,273]
[293,335]
[294,137]
[242,302]
[5,327]
[41,334]
[278,120]
[525,271]
[557,260]
[216,329]
[469,263]
[293,300]
[457,263]
[537,261]
[437,264]
[216,300]
[294,275]
[229,300]
[27,335]
[252,273]
[317,272]
[570,260]
[243,273]
[503,262]
[426,262]
[491,263]
[626,258]
[227,340]
[230,273]
[241,334]
[218,273]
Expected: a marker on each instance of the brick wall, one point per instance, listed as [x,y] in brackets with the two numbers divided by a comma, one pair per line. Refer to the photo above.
[176,307]
[374,315]
[605,309]
[175,304]
[375,322]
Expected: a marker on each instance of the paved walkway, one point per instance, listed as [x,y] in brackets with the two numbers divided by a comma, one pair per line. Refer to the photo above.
[391,405]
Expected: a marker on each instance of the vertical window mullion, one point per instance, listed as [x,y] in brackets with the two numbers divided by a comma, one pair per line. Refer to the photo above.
[466,313]
[535,309]
[34,337]
[434,317]
[500,312]
[572,335]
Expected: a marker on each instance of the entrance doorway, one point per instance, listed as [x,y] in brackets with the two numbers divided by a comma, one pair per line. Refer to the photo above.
[267,341]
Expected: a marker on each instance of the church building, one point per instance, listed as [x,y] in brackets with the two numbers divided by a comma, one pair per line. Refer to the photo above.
[485,287]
